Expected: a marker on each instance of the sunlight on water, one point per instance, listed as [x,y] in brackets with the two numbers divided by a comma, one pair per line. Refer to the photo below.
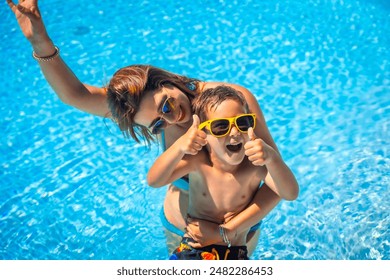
[73,188]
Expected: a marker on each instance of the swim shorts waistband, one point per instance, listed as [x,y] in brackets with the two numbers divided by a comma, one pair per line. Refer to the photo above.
[211,252]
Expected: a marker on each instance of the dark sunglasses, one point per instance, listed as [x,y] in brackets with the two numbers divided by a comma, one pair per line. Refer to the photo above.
[167,108]
[222,127]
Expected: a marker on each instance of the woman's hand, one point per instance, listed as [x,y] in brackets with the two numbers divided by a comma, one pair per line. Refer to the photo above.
[30,22]
[203,232]
[66,85]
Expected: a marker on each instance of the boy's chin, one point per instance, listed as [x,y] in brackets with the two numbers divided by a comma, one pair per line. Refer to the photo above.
[234,159]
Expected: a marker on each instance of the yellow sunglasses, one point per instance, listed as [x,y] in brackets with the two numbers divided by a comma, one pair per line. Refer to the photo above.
[222,127]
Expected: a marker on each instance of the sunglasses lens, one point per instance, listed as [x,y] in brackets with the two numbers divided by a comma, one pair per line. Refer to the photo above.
[219,127]
[245,122]
[158,127]
[168,106]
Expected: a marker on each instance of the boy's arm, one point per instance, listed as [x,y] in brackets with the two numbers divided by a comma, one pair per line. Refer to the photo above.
[173,163]
[279,176]
[281,179]
[168,167]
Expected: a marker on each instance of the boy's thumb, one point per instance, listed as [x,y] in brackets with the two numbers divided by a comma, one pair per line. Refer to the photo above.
[251,134]
[196,121]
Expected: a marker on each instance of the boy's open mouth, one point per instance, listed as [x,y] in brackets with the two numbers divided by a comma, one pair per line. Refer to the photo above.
[234,147]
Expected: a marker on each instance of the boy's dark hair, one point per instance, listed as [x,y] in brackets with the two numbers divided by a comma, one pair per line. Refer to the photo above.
[212,97]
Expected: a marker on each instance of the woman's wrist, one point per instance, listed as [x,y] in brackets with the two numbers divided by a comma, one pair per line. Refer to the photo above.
[43,47]
[47,58]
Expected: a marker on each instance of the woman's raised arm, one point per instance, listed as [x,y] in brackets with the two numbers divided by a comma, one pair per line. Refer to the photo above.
[67,86]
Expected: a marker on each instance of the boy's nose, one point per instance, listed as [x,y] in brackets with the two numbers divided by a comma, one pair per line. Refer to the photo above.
[234,130]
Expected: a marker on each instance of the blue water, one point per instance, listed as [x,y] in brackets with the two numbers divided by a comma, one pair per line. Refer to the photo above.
[73,188]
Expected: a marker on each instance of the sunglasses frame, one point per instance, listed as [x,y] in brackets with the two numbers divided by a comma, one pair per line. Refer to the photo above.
[155,130]
[232,120]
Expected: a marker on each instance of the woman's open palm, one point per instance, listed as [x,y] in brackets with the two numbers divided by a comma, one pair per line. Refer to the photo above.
[28,17]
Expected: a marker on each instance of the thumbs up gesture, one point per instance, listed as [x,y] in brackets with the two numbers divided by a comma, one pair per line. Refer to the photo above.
[258,152]
[194,139]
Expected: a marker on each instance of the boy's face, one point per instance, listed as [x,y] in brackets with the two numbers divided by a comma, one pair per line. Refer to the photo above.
[228,149]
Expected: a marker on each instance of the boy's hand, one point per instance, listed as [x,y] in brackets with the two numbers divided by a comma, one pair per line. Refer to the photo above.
[194,139]
[258,152]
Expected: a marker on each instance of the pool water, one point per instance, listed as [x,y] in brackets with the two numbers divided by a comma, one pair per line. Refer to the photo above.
[72,187]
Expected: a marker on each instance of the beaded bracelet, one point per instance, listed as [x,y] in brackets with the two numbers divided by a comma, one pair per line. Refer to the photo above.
[47,58]
[222,232]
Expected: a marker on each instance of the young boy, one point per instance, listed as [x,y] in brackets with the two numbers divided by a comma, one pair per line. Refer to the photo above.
[226,173]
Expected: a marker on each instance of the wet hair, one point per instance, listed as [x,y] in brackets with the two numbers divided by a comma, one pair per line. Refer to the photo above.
[212,97]
[127,88]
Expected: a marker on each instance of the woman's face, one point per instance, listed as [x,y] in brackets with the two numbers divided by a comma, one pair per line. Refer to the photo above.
[159,109]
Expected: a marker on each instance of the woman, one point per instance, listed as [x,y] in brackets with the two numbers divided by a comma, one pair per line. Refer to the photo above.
[146,101]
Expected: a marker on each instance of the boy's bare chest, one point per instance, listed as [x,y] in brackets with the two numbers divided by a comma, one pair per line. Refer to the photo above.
[220,194]
[216,185]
